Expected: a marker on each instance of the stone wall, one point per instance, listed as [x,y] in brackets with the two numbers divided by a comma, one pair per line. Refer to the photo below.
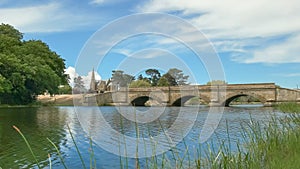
[287,95]
[267,93]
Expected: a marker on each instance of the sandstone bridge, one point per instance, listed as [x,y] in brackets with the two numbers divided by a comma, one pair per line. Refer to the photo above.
[214,95]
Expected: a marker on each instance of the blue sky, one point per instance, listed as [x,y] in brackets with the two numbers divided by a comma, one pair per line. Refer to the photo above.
[256,41]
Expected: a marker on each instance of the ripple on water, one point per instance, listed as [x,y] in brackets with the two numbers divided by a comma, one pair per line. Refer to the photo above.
[51,122]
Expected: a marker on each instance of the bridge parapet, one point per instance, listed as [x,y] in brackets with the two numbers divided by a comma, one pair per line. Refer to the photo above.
[267,93]
[287,95]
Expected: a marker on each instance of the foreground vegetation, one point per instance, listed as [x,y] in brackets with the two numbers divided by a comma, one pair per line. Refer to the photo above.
[27,68]
[291,107]
[272,145]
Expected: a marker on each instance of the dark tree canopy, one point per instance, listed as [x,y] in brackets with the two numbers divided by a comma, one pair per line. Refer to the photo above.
[27,68]
[154,76]
[120,78]
[176,77]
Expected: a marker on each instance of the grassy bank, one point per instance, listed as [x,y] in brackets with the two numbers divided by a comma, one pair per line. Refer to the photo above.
[291,107]
[275,146]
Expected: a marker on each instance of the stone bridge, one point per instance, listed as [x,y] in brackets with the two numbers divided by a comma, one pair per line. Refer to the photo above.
[214,95]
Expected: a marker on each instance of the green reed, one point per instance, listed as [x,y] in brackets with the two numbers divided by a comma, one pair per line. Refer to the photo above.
[291,107]
[28,145]
[59,154]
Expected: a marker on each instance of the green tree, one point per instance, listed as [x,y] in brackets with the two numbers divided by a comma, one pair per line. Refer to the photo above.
[27,68]
[163,82]
[5,85]
[65,89]
[176,77]
[119,78]
[154,76]
[140,77]
[139,83]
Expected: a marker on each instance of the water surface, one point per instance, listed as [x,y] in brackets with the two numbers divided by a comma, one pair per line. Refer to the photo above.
[38,124]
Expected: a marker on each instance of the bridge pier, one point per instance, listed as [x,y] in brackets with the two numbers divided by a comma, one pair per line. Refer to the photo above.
[269,104]
[215,103]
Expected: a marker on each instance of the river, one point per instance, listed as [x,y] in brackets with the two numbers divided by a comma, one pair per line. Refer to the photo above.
[38,124]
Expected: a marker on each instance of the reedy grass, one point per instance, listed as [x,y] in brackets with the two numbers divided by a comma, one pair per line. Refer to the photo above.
[77,149]
[291,107]
[92,155]
[58,152]
[50,163]
[28,145]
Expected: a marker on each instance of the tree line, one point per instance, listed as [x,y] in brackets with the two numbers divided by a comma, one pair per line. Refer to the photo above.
[151,78]
[27,68]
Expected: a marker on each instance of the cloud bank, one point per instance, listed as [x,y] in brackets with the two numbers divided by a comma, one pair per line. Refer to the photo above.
[239,26]
[85,78]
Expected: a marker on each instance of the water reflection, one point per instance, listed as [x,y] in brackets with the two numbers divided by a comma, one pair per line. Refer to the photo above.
[39,123]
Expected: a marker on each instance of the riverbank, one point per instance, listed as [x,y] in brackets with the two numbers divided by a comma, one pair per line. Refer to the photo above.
[59,100]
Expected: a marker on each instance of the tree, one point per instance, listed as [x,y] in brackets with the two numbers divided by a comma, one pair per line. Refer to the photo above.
[170,80]
[140,77]
[120,79]
[139,83]
[27,68]
[154,76]
[163,82]
[5,85]
[78,85]
[65,89]
[176,77]
[10,31]
[216,82]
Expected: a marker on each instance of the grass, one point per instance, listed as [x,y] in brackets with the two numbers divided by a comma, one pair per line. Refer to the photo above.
[290,107]
[273,146]
[276,146]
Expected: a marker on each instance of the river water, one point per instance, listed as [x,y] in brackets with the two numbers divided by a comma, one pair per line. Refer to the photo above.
[38,124]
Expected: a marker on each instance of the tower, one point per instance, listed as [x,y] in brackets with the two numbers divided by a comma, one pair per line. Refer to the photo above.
[93,83]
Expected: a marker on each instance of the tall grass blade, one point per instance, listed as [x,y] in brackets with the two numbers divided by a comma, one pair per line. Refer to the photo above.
[58,152]
[28,145]
[92,155]
[81,159]
[50,164]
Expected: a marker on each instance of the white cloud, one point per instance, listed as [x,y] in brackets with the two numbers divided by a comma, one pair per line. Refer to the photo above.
[230,23]
[72,74]
[284,52]
[251,18]
[146,53]
[52,17]
[85,78]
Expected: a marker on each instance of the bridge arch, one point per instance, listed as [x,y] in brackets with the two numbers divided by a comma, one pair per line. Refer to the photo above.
[140,100]
[234,96]
[182,99]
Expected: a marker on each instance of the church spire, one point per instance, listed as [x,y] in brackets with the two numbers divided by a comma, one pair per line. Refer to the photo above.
[93,82]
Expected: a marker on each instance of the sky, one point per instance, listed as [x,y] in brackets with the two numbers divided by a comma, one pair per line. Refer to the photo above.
[254,41]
